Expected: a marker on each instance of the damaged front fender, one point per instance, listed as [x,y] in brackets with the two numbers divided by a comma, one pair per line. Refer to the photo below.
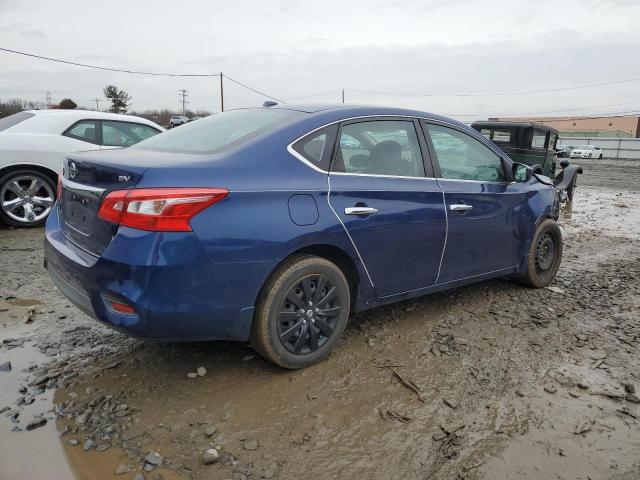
[566,180]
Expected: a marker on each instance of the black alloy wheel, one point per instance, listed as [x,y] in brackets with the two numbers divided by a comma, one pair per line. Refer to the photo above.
[301,312]
[308,314]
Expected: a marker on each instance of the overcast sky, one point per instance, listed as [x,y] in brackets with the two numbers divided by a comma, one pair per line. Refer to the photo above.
[295,48]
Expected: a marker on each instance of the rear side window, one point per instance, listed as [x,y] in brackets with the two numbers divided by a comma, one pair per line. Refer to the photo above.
[14,119]
[85,130]
[316,147]
[221,131]
[124,134]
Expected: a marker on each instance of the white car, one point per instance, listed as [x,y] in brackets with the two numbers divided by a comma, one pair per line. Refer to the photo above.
[176,120]
[33,145]
[586,151]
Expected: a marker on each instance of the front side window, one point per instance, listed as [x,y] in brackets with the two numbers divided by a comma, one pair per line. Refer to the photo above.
[317,147]
[85,130]
[539,139]
[553,138]
[124,134]
[486,133]
[220,132]
[502,136]
[462,157]
[380,147]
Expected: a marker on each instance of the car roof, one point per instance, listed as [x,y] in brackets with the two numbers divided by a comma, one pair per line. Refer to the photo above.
[342,111]
[498,124]
[56,121]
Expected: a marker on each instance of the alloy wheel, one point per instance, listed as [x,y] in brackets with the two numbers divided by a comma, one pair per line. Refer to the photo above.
[308,314]
[26,198]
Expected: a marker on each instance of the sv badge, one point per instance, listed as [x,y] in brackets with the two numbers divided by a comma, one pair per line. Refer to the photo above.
[124,178]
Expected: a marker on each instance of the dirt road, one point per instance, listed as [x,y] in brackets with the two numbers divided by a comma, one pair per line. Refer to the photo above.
[491,381]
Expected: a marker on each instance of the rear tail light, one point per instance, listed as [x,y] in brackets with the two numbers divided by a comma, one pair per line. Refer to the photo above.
[59,188]
[158,209]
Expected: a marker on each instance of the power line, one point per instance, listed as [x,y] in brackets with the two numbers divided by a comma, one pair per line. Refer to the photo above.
[627,113]
[548,111]
[495,94]
[253,89]
[68,62]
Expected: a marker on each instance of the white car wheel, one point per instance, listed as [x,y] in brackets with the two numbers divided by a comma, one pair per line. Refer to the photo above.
[26,198]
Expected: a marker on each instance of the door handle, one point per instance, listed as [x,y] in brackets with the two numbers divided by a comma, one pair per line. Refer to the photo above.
[360,210]
[460,207]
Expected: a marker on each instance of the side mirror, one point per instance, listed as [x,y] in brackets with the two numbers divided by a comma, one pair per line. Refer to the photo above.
[521,172]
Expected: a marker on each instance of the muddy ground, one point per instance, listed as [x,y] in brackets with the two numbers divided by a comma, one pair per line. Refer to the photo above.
[492,381]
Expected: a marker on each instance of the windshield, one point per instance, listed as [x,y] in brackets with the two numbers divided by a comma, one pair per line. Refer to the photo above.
[586,147]
[219,132]
[14,119]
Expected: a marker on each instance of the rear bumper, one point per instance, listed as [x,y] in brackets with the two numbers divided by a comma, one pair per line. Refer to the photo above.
[177,291]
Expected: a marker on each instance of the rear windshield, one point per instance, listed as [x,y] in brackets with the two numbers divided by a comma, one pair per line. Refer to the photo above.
[14,119]
[219,132]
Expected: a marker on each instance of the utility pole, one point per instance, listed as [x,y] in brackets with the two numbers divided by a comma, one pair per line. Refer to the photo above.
[221,94]
[183,94]
[343,95]
[97,100]
[48,99]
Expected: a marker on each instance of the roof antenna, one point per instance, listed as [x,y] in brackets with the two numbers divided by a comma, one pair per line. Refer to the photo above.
[269,103]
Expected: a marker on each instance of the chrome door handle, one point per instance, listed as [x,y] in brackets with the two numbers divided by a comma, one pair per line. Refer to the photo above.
[460,207]
[360,210]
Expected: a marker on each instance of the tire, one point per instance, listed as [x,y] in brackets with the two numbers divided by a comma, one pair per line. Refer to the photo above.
[590,156]
[32,193]
[542,269]
[283,331]
[600,157]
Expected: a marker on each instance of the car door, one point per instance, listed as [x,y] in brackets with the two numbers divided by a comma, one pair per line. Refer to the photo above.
[481,202]
[389,204]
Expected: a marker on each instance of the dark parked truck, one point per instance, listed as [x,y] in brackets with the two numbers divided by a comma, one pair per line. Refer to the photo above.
[532,144]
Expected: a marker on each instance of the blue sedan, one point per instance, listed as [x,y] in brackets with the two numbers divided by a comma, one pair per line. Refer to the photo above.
[273,224]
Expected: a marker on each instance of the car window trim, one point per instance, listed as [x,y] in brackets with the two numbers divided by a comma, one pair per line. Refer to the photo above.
[474,134]
[388,118]
[505,161]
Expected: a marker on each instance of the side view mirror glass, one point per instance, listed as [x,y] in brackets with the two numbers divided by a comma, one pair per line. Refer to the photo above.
[521,172]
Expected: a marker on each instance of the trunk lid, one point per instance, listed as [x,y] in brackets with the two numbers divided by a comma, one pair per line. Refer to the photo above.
[85,183]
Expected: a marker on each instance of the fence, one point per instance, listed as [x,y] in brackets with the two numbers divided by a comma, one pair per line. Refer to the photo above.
[625,148]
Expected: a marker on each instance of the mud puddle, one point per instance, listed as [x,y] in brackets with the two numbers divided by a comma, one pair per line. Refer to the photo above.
[488,381]
[45,457]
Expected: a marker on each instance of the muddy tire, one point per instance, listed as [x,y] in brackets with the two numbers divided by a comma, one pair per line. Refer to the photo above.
[302,312]
[26,198]
[545,256]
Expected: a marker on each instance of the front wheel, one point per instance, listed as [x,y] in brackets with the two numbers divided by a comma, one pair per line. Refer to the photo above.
[600,157]
[545,255]
[26,198]
[301,313]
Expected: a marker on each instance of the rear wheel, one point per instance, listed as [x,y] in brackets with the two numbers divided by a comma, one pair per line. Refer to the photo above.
[302,312]
[545,255]
[26,198]
[600,157]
